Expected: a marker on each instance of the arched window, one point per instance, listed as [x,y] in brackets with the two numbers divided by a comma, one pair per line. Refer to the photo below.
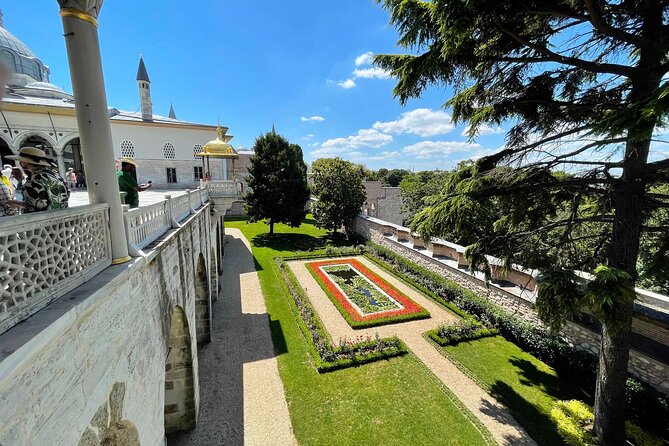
[168,151]
[127,149]
[9,60]
[197,148]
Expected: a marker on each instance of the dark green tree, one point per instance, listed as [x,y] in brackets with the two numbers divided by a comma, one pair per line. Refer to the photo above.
[394,177]
[277,182]
[583,84]
[338,186]
[415,187]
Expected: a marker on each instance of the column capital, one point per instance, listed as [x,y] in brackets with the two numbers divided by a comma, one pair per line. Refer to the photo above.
[87,10]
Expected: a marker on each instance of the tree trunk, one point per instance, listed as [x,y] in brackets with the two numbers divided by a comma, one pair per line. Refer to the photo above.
[271,227]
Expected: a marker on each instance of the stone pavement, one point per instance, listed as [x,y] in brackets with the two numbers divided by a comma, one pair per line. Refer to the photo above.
[493,415]
[242,400]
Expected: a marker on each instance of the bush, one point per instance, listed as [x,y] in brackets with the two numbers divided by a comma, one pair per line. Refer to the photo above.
[574,419]
[645,405]
[449,334]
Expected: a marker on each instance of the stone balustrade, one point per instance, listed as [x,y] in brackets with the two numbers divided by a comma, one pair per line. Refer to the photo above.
[146,224]
[45,255]
[223,188]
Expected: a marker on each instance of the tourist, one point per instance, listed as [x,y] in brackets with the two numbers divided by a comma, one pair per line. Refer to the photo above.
[6,173]
[71,178]
[128,184]
[7,207]
[18,181]
[81,180]
[44,189]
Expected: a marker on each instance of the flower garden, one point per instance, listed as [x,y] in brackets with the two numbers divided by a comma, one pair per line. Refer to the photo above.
[363,298]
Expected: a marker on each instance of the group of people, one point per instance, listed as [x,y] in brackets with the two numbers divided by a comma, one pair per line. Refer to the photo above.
[75,180]
[40,189]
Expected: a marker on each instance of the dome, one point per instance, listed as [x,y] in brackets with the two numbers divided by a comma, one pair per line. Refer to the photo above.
[219,148]
[20,59]
[8,40]
[44,86]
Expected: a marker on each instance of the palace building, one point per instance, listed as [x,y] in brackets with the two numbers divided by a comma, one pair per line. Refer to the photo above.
[37,113]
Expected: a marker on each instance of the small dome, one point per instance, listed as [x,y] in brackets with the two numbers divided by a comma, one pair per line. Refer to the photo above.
[218,148]
[45,86]
[23,63]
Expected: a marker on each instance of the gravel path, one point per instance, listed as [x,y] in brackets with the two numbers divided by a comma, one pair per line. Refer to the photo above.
[242,401]
[494,416]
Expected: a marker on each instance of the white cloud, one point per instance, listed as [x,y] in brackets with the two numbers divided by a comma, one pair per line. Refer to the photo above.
[312,119]
[421,121]
[485,130]
[430,149]
[364,59]
[348,83]
[371,73]
[364,138]
[384,156]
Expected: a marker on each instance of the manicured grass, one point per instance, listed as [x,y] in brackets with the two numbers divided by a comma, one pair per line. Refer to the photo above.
[393,402]
[527,386]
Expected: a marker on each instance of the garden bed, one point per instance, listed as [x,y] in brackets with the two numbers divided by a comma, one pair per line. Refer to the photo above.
[363,298]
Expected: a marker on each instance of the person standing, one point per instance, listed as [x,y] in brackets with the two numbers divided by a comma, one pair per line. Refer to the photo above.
[18,180]
[44,189]
[6,203]
[128,184]
[71,178]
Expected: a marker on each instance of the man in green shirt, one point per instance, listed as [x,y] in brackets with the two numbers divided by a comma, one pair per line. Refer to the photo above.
[128,184]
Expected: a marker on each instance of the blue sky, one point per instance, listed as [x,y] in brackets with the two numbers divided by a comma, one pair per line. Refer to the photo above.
[302,66]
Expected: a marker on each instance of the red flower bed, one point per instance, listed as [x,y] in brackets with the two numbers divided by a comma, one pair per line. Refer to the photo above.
[411,309]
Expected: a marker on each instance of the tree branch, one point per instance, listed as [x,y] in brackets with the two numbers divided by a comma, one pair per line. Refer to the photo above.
[573,61]
[604,28]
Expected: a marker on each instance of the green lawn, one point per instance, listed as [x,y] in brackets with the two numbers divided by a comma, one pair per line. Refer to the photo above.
[393,402]
[527,386]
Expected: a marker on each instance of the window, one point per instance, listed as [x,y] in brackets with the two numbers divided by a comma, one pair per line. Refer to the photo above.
[197,148]
[127,149]
[9,60]
[197,172]
[171,175]
[168,151]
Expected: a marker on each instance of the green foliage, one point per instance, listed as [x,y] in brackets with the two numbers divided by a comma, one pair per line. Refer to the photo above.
[561,297]
[574,421]
[469,330]
[278,182]
[394,177]
[609,294]
[338,186]
[415,187]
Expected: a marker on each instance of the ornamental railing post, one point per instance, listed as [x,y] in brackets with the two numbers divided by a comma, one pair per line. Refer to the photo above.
[170,212]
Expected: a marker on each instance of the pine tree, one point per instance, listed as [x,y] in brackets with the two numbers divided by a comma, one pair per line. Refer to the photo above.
[277,182]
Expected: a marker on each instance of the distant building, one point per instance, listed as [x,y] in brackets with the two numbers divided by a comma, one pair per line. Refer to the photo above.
[384,203]
[38,113]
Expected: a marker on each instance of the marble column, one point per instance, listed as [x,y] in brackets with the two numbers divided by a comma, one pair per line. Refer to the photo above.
[83,51]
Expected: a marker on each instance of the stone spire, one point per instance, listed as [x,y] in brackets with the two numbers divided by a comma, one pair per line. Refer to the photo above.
[144,84]
[172,115]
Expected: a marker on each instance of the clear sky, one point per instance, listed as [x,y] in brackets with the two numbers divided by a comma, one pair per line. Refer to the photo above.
[300,65]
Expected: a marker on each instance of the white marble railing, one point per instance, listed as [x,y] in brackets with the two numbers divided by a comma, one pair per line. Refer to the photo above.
[223,188]
[146,224]
[47,254]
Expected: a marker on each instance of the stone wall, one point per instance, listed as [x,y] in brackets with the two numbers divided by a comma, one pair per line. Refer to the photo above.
[383,202]
[650,370]
[57,368]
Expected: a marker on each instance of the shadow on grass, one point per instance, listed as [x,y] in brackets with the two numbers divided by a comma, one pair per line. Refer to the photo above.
[554,386]
[280,346]
[288,242]
[536,422]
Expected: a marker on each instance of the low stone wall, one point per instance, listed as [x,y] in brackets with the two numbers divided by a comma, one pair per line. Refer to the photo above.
[650,370]
[59,369]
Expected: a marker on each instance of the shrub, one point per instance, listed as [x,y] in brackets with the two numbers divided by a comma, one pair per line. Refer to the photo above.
[448,334]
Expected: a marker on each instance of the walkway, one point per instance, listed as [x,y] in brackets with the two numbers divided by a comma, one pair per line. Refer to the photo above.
[241,395]
[494,416]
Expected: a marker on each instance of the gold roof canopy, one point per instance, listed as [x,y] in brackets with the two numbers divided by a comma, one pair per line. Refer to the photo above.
[218,148]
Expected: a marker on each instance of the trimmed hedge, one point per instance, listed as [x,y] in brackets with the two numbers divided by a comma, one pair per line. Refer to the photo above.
[451,334]
[645,405]
[329,357]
